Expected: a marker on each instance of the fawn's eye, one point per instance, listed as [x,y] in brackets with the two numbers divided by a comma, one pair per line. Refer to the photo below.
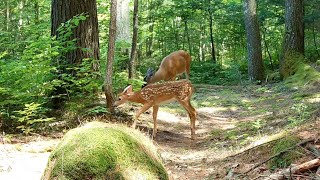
[119,99]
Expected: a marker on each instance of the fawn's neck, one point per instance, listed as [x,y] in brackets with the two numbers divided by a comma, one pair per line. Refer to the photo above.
[136,97]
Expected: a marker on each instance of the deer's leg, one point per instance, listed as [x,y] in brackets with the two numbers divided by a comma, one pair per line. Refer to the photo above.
[192,115]
[155,113]
[141,110]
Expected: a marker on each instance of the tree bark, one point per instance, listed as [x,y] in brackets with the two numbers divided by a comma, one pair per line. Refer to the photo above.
[314,37]
[110,57]
[187,35]
[36,12]
[134,40]
[211,39]
[267,47]
[294,36]
[255,64]
[86,33]
[8,15]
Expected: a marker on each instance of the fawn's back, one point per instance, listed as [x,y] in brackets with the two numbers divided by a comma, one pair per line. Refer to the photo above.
[180,90]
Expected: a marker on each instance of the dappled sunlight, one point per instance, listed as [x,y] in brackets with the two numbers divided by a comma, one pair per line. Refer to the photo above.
[267,138]
[211,110]
[169,117]
[313,99]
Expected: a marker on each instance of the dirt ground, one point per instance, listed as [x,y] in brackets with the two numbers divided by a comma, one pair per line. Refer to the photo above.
[207,157]
[183,157]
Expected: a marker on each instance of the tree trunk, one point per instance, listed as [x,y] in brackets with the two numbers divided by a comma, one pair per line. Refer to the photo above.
[294,36]
[255,64]
[36,12]
[110,57]
[267,47]
[211,39]
[86,33]
[187,35]
[134,39]
[8,15]
[314,37]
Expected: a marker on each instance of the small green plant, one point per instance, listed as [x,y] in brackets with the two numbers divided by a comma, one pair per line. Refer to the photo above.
[301,114]
[96,111]
[31,116]
[285,159]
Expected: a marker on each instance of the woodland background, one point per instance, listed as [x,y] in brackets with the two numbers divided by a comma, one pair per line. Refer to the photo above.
[55,57]
[258,60]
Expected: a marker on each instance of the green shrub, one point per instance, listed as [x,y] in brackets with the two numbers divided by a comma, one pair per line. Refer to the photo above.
[208,73]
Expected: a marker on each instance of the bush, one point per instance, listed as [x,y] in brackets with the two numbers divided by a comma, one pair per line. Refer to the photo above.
[208,73]
[104,151]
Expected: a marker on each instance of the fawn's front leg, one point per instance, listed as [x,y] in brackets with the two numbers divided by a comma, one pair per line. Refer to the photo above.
[141,110]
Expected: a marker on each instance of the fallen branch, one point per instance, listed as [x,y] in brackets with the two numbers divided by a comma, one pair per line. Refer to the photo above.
[255,147]
[313,150]
[295,169]
[289,148]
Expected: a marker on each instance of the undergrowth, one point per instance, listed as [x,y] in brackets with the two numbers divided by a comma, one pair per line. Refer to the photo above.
[285,159]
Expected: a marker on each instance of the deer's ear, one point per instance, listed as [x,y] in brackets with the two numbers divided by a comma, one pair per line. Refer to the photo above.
[128,89]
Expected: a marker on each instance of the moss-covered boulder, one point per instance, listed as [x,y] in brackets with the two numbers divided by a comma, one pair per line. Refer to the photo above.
[104,151]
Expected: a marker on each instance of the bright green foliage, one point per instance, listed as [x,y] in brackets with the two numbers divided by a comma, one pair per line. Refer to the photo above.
[30,116]
[209,73]
[120,81]
[28,81]
[103,151]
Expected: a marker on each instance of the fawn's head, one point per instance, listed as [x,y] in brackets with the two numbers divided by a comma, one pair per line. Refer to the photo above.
[123,97]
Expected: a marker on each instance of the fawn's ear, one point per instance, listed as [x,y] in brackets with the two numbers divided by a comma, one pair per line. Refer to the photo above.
[128,89]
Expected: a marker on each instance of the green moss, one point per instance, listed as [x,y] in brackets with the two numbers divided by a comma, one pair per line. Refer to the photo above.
[289,64]
[305,74]
[285,159]
[104,151]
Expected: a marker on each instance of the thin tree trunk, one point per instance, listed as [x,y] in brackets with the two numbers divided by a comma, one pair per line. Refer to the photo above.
[36,12]
[266,46]
[8,15]
[110,57]
[176,34]
[200,43]
[211,39]
[134,40]
[187,35]
[149,41]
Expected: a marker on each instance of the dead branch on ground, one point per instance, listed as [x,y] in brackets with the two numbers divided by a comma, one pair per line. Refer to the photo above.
[280,153]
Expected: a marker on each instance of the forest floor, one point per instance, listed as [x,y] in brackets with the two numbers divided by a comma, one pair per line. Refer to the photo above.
[235,128]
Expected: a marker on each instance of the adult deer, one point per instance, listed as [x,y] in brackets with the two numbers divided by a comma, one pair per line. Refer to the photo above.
[174,64]
[153,95]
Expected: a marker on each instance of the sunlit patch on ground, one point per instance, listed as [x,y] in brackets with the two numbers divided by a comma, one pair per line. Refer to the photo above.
[24,160]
